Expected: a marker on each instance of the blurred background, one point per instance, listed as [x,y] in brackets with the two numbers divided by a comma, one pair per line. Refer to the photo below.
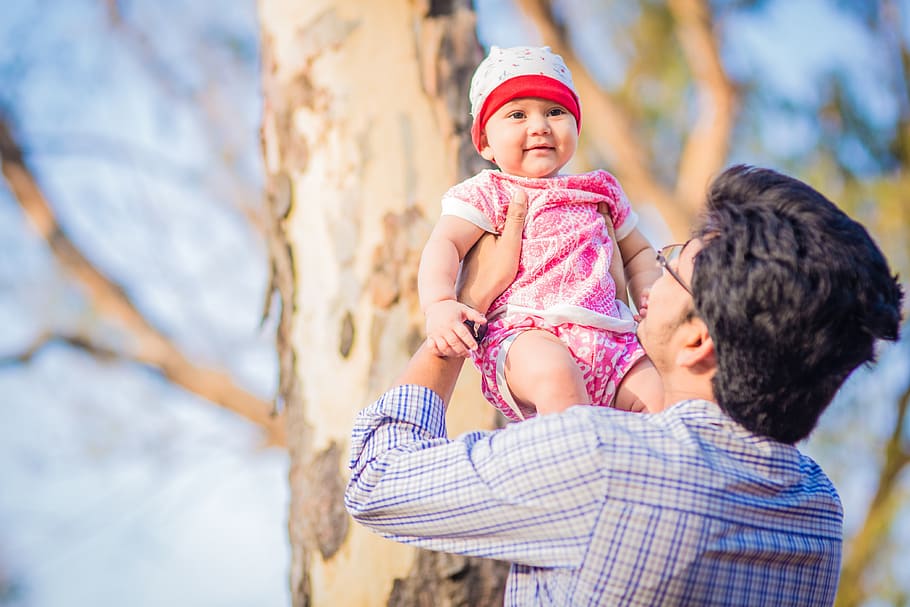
[138,461]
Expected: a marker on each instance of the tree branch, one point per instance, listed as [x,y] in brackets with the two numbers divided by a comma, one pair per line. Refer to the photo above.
[243,197]
[883,510]
[149,345]
[80,342]
[890,20]
[707,146]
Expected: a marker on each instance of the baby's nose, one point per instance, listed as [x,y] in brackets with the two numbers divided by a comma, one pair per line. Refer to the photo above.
[539,124]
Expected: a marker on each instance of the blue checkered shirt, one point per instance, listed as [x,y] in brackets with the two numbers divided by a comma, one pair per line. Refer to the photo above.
[595,506]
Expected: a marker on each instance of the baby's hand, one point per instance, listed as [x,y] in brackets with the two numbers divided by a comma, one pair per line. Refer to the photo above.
[447,334]
[642,305]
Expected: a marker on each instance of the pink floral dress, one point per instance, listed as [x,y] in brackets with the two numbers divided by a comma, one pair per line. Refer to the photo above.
[563,283]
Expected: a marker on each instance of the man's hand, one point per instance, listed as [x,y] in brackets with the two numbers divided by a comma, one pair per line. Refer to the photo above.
[447,334]
[492,263]
[497,260]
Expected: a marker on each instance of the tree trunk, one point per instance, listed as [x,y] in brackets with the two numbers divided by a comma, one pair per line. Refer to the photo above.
[365,125]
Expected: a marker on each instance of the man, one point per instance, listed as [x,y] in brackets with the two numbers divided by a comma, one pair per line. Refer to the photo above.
[754,326]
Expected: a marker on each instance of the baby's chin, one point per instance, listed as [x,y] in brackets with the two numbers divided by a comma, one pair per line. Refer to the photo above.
[536,174]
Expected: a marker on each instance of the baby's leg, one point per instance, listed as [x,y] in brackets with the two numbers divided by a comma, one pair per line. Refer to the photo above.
[541,372]
[641,389]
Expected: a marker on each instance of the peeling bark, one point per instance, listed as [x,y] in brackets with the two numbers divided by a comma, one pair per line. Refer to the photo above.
[439,579]
[276,145]
[326,518]
[394,272]
[365,125]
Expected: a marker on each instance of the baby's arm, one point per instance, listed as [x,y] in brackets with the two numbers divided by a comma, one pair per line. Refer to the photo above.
[450,240]
[617,272]
[640,260]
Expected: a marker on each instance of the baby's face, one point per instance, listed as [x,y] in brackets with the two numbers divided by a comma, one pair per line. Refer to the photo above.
[530,137]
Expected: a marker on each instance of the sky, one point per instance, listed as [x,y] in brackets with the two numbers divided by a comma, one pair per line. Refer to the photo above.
[122,490]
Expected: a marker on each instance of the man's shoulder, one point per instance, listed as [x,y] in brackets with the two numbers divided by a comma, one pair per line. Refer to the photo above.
[614,427]
[686,427]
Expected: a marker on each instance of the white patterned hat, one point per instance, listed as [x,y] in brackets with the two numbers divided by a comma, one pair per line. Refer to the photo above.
[519,71]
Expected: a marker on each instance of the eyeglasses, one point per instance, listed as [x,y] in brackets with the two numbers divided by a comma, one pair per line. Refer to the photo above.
[671,253]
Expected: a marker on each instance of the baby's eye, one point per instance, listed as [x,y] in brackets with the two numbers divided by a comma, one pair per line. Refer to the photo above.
[517,115]
[557,111]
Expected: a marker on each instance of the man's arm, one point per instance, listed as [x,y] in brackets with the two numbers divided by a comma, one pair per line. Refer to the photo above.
[449,242]
[529,493]
[491,264]
[429,370]
[487,270]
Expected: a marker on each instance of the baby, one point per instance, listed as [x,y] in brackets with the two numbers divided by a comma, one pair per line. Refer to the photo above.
[557,336]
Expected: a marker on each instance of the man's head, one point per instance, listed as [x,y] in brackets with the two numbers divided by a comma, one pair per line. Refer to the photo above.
[519,72]
[794,295]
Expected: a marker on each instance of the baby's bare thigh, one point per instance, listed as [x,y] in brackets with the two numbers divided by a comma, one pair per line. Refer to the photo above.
[541,371]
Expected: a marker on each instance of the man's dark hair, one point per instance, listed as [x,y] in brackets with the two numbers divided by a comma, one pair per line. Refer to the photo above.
[794,294]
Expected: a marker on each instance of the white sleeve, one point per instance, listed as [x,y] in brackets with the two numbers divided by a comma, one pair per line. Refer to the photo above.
[459,208]
[627,226]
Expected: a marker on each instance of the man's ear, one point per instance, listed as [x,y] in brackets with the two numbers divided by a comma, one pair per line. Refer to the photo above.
[698,347]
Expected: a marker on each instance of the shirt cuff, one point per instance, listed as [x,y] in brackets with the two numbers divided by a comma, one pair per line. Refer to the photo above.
[405,416]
